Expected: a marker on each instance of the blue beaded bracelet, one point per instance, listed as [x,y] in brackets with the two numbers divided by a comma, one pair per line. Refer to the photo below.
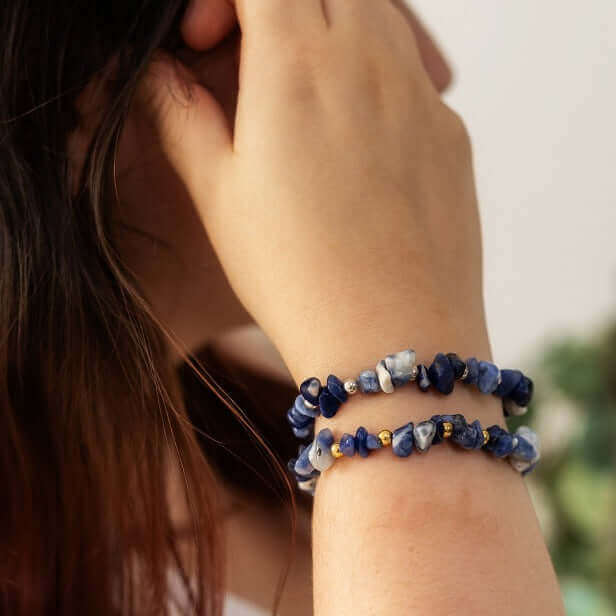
[396,370]
[521,448]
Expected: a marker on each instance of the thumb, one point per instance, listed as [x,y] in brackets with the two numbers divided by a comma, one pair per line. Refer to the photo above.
[189,122]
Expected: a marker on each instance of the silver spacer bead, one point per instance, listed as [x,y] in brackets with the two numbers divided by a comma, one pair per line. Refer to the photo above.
[414,373]
[465,373]
[500,379]
[351,386]
[309,405]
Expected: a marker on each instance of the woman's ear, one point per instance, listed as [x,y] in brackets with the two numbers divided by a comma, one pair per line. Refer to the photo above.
[207,22]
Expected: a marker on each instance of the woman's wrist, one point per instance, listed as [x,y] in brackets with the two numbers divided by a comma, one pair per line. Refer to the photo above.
[345,346]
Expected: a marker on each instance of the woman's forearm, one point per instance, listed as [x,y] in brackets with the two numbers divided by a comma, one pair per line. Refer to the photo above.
[438,533]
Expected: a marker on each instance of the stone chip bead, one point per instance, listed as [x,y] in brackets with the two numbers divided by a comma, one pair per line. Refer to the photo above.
[472,376]
[320,453]
[489,377]
[423,433]
[373,442]
[525,454]
[384,378]
[402,440]
[458,365]
[523,393]
[500,443]
[302,433]
[308,485]
[510,379]
[441,374]
[328,403]
[469,437]
[361,436]
[336,387]
[305,408]
[347,445]
[510,408]
[311,389]
[423,380]
[297,420]
[302,465]
[440,421]
[368,382]
[401,366]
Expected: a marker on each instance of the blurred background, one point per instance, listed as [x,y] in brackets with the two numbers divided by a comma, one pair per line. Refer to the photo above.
[536,84]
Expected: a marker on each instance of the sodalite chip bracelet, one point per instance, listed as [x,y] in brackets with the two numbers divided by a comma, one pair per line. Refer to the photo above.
[400,368]
[521,448]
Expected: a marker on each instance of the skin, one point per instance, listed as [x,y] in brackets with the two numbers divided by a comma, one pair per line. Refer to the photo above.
[342,155]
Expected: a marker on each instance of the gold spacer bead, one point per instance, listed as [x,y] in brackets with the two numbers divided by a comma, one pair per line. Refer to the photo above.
[335,449]
[447,429]
[486,436]
[385,437]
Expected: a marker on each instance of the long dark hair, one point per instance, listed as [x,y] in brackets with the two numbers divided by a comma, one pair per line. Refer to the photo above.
[89,425]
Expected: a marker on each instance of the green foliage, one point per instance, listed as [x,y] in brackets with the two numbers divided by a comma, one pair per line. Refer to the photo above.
[577,476]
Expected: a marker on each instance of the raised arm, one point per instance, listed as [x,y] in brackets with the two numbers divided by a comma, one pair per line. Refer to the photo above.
[343,209]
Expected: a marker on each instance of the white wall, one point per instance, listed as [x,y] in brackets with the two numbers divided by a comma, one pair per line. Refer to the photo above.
[536,83]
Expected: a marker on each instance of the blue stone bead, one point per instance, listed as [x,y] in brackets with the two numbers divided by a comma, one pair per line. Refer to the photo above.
[423,381]
[300,407]
[523,393]
[373,442]
[441,374]
[458,421]
[310,389]
[307,432]
[424,433]
[525,454]
[500,443]
[312,475]
[402,440]
[457,364]
[400,366]
[360,441]
[523,448]
[319,452]
[368,381]
[297,420]
[468,436]
[328,403]
[438,422]
[488,377]
[347,445]
[382,374]
[510,379]
[302,464]
[336,388]
[473,371]
[511,408]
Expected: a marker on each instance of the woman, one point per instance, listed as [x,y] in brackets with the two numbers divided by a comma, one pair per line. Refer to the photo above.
[339,198]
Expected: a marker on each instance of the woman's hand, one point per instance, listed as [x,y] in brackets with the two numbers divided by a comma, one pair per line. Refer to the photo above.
[343,200]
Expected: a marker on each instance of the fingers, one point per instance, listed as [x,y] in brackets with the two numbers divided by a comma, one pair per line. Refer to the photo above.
[190,123]
[206,22]
[433,59]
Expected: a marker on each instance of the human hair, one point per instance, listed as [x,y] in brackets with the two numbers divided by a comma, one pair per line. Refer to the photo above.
[90,423]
